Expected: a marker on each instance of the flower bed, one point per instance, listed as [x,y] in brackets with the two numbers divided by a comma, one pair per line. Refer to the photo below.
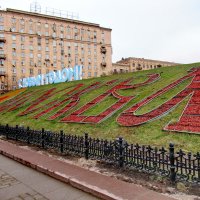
[133,120]
[190,119]
[122,100]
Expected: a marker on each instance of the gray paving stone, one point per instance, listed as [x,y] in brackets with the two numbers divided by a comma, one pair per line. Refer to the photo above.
[18,182]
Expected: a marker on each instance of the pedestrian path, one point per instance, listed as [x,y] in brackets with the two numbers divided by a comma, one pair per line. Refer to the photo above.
[18,182]
[99,185]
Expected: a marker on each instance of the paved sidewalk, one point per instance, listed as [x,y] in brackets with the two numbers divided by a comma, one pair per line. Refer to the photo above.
[99,185]
[18,182]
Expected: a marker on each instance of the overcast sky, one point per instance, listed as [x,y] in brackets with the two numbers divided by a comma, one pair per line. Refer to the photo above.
[156,29]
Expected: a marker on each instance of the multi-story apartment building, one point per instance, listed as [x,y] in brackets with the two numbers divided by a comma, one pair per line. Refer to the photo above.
[132,64]
[33,43]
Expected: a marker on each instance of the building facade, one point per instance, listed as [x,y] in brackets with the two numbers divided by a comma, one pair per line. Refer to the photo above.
[34,43]
[132,64]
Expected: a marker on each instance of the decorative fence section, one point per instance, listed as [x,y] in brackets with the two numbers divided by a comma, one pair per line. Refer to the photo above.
[178,166]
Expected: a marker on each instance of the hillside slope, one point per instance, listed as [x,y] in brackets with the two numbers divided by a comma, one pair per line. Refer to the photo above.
[61,106]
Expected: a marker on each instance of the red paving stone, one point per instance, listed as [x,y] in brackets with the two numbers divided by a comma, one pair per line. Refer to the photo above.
[99,185]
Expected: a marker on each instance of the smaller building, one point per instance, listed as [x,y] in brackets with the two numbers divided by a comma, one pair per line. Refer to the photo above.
[132,64]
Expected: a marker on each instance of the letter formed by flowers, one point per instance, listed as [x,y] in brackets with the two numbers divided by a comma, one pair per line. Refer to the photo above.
[71,97]
[190,119]
[17,102]
[78,117]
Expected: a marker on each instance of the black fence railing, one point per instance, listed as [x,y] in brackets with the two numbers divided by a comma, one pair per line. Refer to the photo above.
[178,166]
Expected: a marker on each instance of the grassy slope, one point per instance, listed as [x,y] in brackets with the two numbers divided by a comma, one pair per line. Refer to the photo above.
[149,133]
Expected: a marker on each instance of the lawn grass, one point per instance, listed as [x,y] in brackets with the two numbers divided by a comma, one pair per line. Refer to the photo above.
[148,134]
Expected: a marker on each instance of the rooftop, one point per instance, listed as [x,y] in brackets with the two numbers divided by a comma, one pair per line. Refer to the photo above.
[52,17]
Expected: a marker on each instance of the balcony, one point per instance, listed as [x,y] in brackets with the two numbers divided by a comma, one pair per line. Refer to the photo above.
[103,50]
[2,40]
[2,56]
[103,64]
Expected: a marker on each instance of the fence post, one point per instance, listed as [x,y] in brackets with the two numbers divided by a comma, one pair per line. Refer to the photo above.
[7,130]
[43,138]
[61,141]
[86,146]
[28,135]
[121,152]
[172,161]
[16,132]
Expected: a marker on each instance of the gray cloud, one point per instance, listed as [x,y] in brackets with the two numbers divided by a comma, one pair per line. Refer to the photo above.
[156,29]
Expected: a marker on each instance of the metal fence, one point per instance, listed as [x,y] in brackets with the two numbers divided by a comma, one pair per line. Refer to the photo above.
[178,166]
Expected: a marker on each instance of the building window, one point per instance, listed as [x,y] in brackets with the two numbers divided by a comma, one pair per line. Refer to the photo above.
[23,70]
[95,74]
[30,22]
[14,70]
[1,27]
[89,67]
[54,34]
[39,63]
[1,19]
[22,21]
[14,53]
[39,40]
[22,46]
[14,45]
[82,51]
[1,63]
[22,38]
[39,71]
[39,55]
[22,30]
[31,71]
[31,63]
[23,62]
[68,29]
[13,20]
[31,47]
[46,48]
[46,25]
[76,60]
[13,37]
[1,45]
[31,55]
[1,35]
[54,43]
[23,55]
[61,28]
[39,48]
[14,62]
[89,74]
[30,31]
